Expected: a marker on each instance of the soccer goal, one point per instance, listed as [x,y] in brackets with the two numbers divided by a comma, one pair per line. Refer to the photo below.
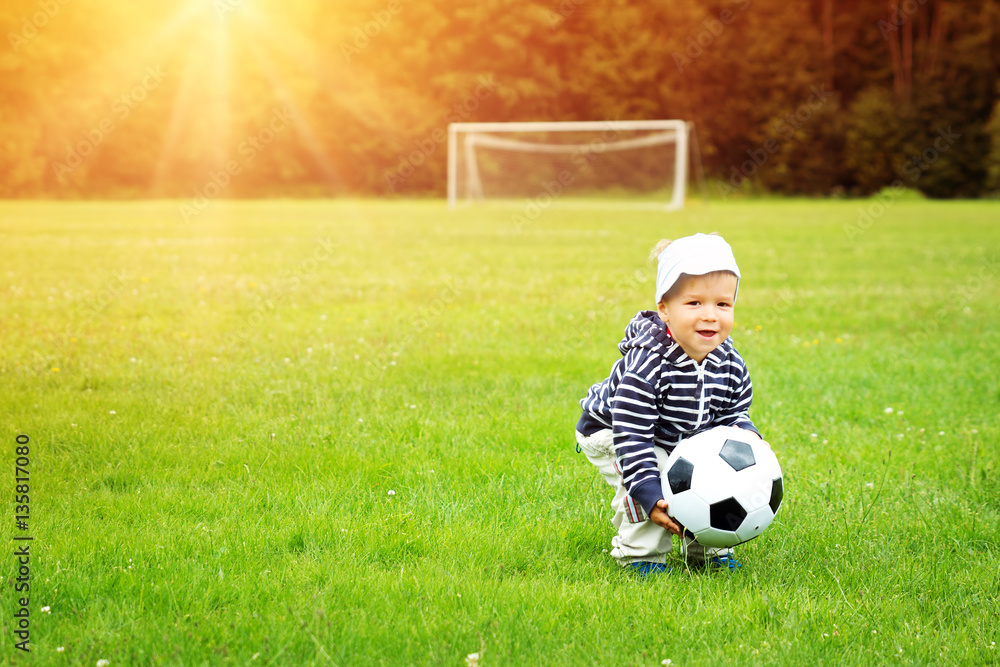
[614,164]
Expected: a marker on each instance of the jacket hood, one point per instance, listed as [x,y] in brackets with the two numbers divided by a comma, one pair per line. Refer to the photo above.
[646,331]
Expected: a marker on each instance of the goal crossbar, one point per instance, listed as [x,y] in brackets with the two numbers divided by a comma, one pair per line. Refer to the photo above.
[483,134]
[532,147]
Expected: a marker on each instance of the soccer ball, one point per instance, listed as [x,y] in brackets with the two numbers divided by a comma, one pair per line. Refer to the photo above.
[723,486]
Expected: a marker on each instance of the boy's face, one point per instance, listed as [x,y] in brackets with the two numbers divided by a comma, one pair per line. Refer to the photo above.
[700,313]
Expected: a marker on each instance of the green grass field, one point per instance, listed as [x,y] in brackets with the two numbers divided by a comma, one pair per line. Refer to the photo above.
[342,433]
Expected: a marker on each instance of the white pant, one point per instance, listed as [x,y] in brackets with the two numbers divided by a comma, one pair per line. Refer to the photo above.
[638,538]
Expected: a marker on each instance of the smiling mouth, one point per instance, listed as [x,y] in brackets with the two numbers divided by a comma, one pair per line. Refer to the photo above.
[707,334]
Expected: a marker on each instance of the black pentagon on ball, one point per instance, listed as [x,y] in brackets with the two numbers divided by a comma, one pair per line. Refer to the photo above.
[777,492]
[679,475]
[727,514]
[737,454]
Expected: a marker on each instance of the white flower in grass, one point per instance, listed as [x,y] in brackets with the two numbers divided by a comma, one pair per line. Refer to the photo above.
[888,411]
[46,609]
[472,660]
[812,435]
[667,661]
[940,432]
[391,492]
[60,649]
[103,663]
[112,412]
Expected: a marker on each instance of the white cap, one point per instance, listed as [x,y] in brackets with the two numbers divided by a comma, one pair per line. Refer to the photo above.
[695,256]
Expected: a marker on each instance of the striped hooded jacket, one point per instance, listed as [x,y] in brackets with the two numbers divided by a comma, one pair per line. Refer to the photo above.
[656,395]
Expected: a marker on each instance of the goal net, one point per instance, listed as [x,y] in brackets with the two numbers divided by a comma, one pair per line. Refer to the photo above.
[618,164]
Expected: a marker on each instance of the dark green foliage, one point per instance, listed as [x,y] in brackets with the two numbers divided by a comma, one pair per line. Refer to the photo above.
[872,136]
[811,157]
[993,159]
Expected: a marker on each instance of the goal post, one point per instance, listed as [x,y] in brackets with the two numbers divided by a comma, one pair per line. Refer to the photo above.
[617,164]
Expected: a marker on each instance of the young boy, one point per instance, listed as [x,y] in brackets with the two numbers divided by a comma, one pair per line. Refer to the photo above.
[679,374]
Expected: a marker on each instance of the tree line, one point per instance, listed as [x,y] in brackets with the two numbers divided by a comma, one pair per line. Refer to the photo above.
[306,98]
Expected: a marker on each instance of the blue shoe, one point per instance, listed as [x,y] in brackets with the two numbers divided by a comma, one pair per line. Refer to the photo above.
[646,568]
[723,563]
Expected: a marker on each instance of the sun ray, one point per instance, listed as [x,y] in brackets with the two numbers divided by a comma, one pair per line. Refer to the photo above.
[219,105]
[180,114]
[347,81]
[198,46]
[302,125]
[114,69]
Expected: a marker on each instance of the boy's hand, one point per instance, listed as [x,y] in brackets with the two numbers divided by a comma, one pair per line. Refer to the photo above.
[659,516]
